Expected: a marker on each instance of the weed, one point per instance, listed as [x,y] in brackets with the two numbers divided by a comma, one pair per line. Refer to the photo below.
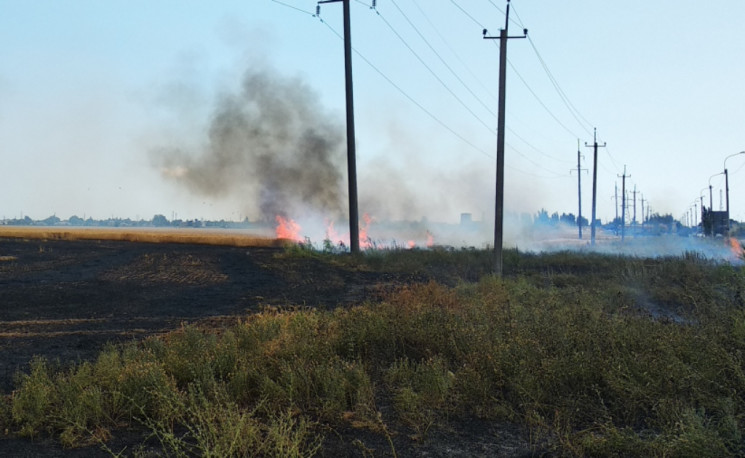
[568,347]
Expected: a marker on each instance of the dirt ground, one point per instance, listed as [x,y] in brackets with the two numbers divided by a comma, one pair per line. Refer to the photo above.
[66,299]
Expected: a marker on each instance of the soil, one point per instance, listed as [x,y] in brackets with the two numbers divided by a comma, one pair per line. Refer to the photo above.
[65,300]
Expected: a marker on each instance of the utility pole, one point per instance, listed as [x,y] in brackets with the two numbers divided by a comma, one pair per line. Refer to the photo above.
[579,189]
[615,199]
[642,201]
[633,220]
[594,182]
[623,202]
[354,220]
[499,201]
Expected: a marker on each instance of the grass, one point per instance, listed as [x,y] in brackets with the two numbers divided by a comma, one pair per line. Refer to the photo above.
[190,236]
[595,355]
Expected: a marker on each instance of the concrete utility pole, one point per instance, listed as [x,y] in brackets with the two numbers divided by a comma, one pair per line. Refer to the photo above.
[642,201]
[499,204]
[354,219]
[623,203]
[615,199]
[633,220]
[726,185]
[594,182]
[579,189]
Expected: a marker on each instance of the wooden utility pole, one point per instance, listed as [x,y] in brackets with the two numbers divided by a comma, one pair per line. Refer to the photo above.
[499,203]
[579,189]
[594,182]
[354,219]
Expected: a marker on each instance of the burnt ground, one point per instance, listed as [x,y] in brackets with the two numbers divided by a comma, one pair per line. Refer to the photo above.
[65,300]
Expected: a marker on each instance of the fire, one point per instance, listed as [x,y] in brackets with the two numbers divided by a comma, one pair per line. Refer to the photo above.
[288,229]
[430,240]
[365,240]
[736,247]
[331,234]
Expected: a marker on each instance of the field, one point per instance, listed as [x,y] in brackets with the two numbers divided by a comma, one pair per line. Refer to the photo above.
[198,349]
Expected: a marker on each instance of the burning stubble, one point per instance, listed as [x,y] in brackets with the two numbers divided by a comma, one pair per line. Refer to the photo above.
[270,143]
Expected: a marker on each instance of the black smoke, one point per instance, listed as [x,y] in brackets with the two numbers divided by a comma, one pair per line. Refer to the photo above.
[270,145]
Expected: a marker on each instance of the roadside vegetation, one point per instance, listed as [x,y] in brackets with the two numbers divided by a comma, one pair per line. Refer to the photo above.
[592,355]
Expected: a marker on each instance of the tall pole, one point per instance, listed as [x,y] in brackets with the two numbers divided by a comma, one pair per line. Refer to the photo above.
[633,220]
[615,199]
[579,189]
[711,200]
[623,202]
[354,220]
[726,185]
[499,201]
[594,183]
[726,193]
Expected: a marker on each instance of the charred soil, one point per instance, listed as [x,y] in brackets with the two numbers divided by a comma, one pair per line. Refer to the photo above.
[65,300]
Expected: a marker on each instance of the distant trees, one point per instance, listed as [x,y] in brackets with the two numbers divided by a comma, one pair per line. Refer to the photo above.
[160,221]
[543,219]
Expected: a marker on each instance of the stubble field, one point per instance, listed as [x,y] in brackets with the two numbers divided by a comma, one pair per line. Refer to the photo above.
[282,350]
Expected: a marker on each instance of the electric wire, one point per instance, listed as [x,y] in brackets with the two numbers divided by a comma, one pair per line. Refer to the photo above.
[293,7]
[432,72]
[567,129]
[581,120]
[410,98]
[504,12]
[468,15]
[460,80]
[454,53]
[429,113]
[475,21]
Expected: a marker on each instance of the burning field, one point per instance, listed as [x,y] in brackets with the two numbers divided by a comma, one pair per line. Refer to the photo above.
[147,349]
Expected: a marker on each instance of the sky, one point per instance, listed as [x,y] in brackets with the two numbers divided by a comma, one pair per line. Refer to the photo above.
[206,110]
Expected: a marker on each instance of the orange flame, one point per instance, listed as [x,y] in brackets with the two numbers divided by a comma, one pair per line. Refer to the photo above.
[288,229]
[736,247]
[331,234]
[411,244]
[430,240]
[365,240]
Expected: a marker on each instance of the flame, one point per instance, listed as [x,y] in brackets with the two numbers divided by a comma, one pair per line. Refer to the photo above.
[365,240]
[736,247]
[411,244]
[288,229]
[331,234]
[430,240]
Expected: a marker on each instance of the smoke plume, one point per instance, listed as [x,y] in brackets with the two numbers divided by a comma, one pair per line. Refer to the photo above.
[270,145]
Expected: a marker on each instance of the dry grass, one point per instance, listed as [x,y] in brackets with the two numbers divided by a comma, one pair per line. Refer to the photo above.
[148,235]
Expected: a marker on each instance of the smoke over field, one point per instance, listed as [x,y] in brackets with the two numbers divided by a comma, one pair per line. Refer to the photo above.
[269,145]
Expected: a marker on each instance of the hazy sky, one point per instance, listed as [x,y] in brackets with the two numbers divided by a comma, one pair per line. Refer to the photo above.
[93,91]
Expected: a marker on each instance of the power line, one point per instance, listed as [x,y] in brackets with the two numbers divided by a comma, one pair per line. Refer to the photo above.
[410,98]
[475,21]
[568,103]
[541,101]
[454,53]
[432,72]
[293,7]
[478,99]
[503,12]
